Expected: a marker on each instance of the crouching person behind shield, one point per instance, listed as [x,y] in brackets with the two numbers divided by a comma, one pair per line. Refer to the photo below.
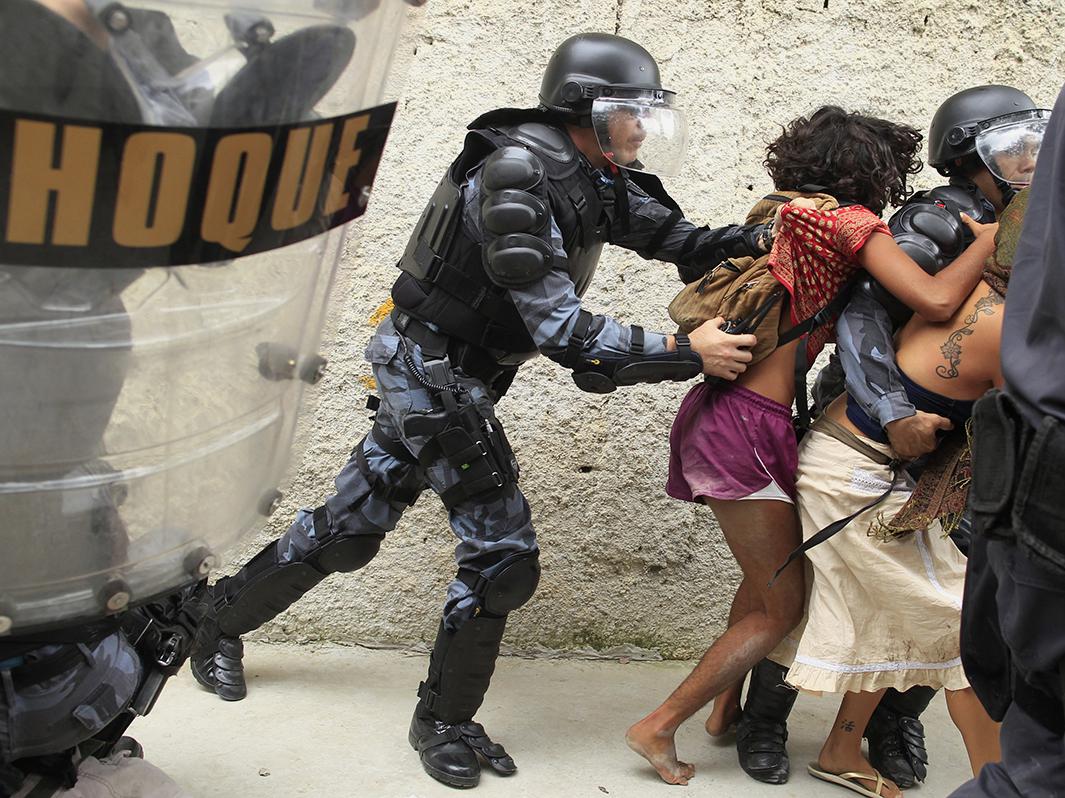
[493,275]
[111,327]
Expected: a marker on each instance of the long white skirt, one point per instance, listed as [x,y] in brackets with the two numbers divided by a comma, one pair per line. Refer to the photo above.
[879,613]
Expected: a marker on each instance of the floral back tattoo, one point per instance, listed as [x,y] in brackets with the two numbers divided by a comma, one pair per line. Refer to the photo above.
[951,348]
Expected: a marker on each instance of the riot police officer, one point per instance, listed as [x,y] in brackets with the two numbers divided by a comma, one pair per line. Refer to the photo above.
[985,139]
[494,274]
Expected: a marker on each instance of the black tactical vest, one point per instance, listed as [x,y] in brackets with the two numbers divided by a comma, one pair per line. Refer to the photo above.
[444,280]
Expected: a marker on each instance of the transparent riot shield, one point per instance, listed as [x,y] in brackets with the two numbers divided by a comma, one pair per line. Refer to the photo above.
[176,180]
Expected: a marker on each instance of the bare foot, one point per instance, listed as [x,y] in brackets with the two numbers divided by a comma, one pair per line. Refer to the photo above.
[660,750]
[724,716]
[836,764]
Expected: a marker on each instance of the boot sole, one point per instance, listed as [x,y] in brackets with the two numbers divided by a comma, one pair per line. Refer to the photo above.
[462,782]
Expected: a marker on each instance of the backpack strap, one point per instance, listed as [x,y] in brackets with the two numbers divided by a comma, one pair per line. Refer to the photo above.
[801,330]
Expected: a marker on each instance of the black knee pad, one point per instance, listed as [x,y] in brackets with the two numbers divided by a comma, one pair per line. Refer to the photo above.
[507,585]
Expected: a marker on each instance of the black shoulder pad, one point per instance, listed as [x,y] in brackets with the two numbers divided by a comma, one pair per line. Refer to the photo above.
[546,140]
[958,199]
[512,167]
[518,259]
[897,311]
[928,231]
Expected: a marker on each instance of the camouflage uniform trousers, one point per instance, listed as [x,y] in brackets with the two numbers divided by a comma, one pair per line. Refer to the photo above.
[60,712]
[488,528]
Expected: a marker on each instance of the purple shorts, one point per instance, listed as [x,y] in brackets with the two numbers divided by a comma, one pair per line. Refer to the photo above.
[730,443]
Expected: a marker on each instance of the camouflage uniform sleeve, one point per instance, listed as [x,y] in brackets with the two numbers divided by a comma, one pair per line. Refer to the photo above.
[866,348]
[655,232]
[550,306]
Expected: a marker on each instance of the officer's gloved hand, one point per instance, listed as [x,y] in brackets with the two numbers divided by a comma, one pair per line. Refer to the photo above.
[916,435]
[724,355]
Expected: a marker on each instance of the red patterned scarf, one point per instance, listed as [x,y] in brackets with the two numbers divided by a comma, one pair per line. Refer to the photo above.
[814,255]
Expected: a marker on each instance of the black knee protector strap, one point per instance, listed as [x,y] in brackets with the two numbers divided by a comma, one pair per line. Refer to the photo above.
[505,586]
[461,667]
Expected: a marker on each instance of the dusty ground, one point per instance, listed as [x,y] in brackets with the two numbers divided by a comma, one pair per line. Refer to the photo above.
[332,721]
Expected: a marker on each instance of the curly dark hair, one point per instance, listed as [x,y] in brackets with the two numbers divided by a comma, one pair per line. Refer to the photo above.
[855,158]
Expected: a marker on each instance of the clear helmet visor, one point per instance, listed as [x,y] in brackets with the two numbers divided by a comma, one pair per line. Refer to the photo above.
[643,133]
[1009,145]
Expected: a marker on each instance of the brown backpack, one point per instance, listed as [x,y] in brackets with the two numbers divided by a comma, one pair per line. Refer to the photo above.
[742,290]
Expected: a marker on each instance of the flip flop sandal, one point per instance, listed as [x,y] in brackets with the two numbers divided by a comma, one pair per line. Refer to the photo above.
[850,780]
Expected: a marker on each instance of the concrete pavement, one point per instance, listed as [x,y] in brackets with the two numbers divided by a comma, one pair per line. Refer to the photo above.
[332,721]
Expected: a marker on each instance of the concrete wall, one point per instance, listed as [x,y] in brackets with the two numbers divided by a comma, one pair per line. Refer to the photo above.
[623,564]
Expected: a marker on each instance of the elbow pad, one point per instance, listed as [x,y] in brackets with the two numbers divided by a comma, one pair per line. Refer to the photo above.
[604,375]
[515,216]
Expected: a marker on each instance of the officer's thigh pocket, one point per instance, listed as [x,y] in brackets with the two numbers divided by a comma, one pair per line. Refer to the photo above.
[399,390]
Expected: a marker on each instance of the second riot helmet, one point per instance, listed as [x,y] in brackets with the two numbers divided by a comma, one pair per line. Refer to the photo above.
[953,132]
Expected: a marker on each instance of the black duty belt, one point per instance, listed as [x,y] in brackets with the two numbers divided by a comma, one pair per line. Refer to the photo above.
[473,361]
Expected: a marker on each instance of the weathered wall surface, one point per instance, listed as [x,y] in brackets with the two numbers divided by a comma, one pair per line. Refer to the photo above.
[622,562]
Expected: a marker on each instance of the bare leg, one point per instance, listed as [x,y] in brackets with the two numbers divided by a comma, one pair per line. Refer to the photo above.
[979,732]
[727,705]
[760,535]
[842,752]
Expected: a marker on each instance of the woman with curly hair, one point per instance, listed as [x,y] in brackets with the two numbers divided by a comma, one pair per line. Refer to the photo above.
[733,448]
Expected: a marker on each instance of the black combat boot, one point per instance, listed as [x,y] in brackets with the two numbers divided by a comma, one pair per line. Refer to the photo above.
[896,736]
[763,727]
[448,741]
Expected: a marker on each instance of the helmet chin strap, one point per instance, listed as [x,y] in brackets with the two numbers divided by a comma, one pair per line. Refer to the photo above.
[1007,191]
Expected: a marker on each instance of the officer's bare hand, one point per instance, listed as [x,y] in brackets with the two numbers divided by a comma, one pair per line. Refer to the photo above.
[724,355]
[915,436]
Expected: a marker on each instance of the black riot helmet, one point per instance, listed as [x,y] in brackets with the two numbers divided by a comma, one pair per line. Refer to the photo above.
[587,63]
[613,85]
[952,134]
